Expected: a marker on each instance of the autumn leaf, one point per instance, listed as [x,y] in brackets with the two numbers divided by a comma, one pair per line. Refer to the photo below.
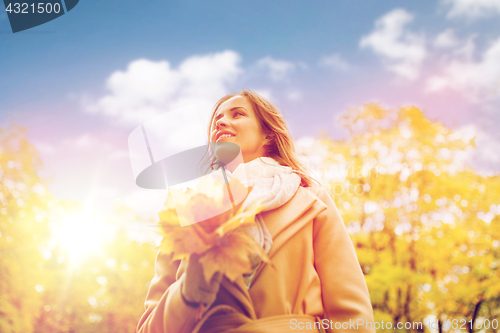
[221,240]
[231,256]
[243,218]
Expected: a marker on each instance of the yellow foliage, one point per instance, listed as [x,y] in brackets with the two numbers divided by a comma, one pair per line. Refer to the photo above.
[425,225]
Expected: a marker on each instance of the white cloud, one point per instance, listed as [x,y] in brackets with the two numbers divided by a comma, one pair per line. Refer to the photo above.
[87,143]
[467,49]
[334,61]
[84,143]
[45,148]
[146,203]
[446,39]
[472,8]
[478,80]
[294,95]
[401,50]
[485,157]
[277,69]
[448,46]
[266,93]
[148,88]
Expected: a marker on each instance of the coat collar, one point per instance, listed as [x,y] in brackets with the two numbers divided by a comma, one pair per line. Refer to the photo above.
[284,222]
[278,220]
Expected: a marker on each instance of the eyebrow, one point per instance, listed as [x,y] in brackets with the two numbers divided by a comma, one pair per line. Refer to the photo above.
[230,110]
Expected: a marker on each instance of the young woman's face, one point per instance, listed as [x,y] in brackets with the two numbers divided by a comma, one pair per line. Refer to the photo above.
[235,121]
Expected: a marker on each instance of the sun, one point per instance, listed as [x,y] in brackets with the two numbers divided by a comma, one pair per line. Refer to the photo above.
[81,234]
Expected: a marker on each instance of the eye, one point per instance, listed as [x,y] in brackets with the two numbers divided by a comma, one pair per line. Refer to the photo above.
[238,114]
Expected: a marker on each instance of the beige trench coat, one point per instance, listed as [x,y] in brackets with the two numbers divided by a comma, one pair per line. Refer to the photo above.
[316,274]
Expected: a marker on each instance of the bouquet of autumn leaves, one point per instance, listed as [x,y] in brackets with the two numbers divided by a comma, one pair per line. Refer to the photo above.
[221,240]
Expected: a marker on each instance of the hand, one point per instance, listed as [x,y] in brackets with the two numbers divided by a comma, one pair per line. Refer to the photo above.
[194,288]
[255,260]
[213,134]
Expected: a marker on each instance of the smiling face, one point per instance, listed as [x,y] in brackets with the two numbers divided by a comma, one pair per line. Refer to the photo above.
[235,121]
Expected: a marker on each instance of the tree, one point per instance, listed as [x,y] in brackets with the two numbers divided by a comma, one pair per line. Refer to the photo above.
[23,229]
[41,289]
[424,224]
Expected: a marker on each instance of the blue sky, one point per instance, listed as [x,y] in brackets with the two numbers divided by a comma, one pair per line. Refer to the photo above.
[76,52]
[75,82]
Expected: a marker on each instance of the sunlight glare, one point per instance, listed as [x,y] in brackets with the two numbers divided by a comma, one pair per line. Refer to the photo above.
[81,234]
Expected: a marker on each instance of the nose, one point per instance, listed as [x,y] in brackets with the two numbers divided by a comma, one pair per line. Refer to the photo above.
[222,122]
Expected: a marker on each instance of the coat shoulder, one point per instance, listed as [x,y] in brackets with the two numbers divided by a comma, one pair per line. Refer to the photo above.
[321,193]
[326,200]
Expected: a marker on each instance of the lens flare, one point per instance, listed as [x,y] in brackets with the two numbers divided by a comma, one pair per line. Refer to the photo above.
[81,235]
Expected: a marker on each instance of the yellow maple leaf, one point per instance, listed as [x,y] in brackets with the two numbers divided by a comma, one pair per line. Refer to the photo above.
[231,256]
[220,240]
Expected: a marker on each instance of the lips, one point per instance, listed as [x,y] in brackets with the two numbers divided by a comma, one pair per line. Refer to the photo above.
[223,135]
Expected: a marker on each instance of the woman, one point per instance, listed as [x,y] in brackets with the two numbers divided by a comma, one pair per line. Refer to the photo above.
[315,282]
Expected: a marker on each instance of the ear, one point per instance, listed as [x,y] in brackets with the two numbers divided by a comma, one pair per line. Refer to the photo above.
[267,141]
[268,138]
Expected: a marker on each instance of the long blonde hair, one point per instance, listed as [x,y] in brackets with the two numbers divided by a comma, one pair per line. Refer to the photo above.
[279,145]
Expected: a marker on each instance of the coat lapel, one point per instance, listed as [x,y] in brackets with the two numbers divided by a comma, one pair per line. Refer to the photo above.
[287,220]
[240,292]
[279,219]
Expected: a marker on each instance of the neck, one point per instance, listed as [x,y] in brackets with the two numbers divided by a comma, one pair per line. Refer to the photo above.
[233,165]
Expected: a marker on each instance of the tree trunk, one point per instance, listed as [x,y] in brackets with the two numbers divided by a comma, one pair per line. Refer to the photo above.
[393,246]
[385,306]
[407,304]
[474,316]
[397,311]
